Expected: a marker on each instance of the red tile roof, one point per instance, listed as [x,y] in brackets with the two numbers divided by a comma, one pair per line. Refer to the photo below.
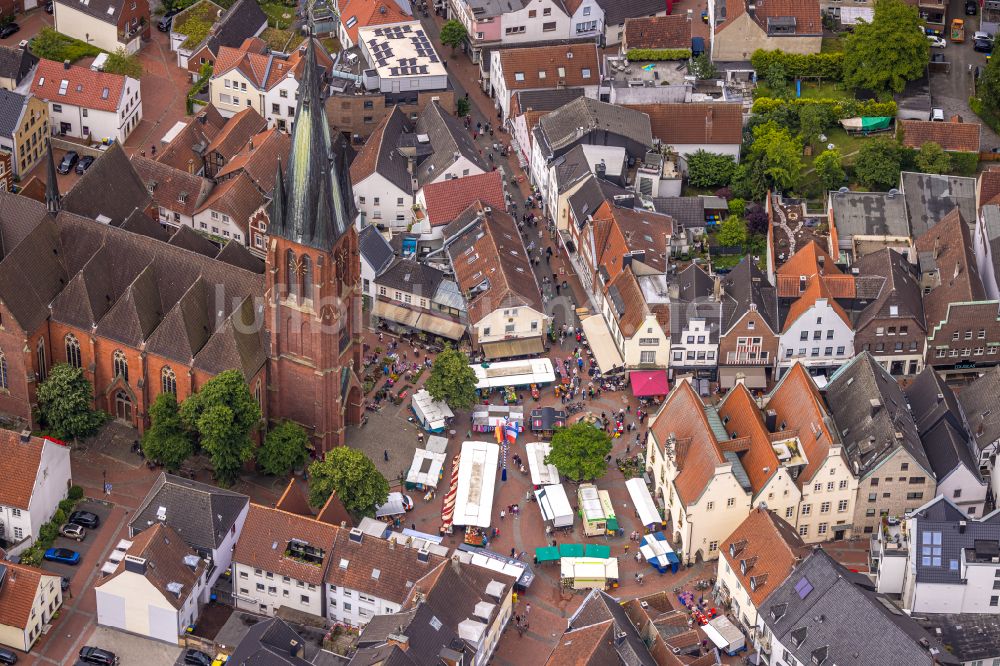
[531,60]
[164,551]
[632,300]
[765,549]
[658,32]
[699,124]
[85,87]
[816,290]
[741,415]
[262,67]
[808,19]
[238,198]
[370,12]
[800,410]
[989,186]
[811,261]
[259,158]
[264,540]
[18,468]
[378,567]
[236,132]
[950,242]
[18,593]
[446,199]
[952,136]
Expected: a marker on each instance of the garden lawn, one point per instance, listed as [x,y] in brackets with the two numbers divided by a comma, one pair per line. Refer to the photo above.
[832,45]
[279,40]
[279,15]
[52,45]
[810,90]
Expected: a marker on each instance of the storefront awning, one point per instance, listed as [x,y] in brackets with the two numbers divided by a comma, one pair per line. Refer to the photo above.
[754,377]
[601,343]
[508,348]
[396,313]
[440,326]
[646,383]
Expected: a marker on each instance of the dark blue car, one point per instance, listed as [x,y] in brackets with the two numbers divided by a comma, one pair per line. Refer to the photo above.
[64,555]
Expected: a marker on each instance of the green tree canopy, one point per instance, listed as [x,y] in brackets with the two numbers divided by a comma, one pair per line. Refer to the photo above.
[579,451]
[124,64]
[732,232]
[878,163]
[988,85]
[353,476]
[886,53]
[64,400]
[749,181]
[167,440]
[285,448]
[223,413]
[703,68]
[828,167]
[814,119]
[453,33]
[779,153]
[707,169]
[452,380]
[931,158]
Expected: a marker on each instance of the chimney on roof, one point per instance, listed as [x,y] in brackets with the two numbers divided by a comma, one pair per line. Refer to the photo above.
[399,640]
[190,165]
[874,404]
[295,648]
[135,564]
[456,564]
[25,436]
[66,64]
[203,119]
[961,526]
[771,420]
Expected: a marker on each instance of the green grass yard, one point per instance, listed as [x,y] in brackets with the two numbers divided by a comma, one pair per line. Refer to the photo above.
[279,15]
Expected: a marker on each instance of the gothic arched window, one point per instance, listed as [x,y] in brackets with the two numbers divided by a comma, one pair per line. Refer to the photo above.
[120,364]
[73,351]
[168,380]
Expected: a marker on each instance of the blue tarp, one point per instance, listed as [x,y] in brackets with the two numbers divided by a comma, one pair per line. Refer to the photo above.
[658,553]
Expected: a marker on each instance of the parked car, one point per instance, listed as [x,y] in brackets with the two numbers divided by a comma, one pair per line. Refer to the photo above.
[63,556]
[982,45]
[937,42]
[971,7]
[73,531]
[165,23]
[7,656]
[979,34]
[197,658]
[85,518]
[84,164]
[69,160]
[95,655]
[9,30]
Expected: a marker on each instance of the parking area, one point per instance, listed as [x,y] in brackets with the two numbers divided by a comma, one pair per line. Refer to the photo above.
[82,547]
[134,650]
[30,24]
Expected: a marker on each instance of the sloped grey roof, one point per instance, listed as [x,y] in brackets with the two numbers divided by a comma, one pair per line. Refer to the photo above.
[584,116]
[18,217]
[695,291]
[868,429]
[598,607]
[448,136]
[411,276]
[390,163]
[900,288]
[375,249]
[591,194]
[941,516]
[121,190]
[240,21]
[980,402]
[828,615]
[200,513]
[687,212]
[107,11]
[745,285]
[929,197]
[267,643]
[11,104]
[970,636]
[616,11]
[939,421]
[546,100]
[16,63]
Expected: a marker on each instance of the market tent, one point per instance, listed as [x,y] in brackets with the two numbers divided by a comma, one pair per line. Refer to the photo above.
[394,506]
[601,343]
[514,373]
[597,550]
[647,383]
[571,550]
[426,468]
[477,476]
[649,516]
[547,418]
[554,505]
[612,524]
[542,474]
[432,414]
[657,551]
[547,554]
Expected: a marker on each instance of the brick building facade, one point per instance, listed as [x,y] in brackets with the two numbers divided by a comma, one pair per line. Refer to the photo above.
[358,115]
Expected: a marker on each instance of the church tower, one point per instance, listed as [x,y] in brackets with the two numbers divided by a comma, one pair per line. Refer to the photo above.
[313,278]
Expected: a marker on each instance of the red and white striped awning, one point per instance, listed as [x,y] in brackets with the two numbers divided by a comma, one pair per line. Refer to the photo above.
[448,509]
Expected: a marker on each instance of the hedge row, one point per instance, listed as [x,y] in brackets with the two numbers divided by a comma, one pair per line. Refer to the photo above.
[795,65]
[641,55]
[840,108]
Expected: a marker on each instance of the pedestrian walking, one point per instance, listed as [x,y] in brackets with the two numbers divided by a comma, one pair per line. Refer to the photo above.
[527,610]
[502,514]
[385,455]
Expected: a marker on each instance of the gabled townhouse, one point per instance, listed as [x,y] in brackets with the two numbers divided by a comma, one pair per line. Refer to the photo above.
[376,255]
[980,402]
[198,32]
[740,27]
[772,459]
[565,173]
[207,518]
[226,212]
[632,336]
[281,560]
[891,325]
[881,442]
[865,222]
[16,67]
[949,446]
[656,32]
[963,326]
[714,127]
[827,478]
[503,300]
[954,136]
[413,296]
[438,204]
[527,107]
[29,599]
[601,631]
[401,157]
[86,104]
[616,13]
[586,19]
[185,151]
[372,576]
[748,335]
[130,193]
[698,480]
[824,614]
[585,121]
[38,477]
[357,14]
[986,248]
[543,68]
[157,589]
[816,330]
[254,76]
[232,137]
[258,159]
[271,641]
[695,325]
[931,197]
[176,194]
[24,126]
[107,24]
[756,559]
[689,215]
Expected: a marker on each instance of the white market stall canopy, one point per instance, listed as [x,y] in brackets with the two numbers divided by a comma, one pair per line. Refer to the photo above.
[649,516]
[724,634]
[590,503]
[514,373]
[494,415]
[601,343]
[541,473]
[432,414]
[589,572]
[426,468]
[554,505]
[395,505]
[436,444]
[477,477]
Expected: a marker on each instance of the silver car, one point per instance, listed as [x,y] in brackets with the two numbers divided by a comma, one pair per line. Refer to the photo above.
[73,531]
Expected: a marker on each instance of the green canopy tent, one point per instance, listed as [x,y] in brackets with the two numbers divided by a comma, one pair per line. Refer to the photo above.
[597,550]
[612,525]
[571,550]
[546,554]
